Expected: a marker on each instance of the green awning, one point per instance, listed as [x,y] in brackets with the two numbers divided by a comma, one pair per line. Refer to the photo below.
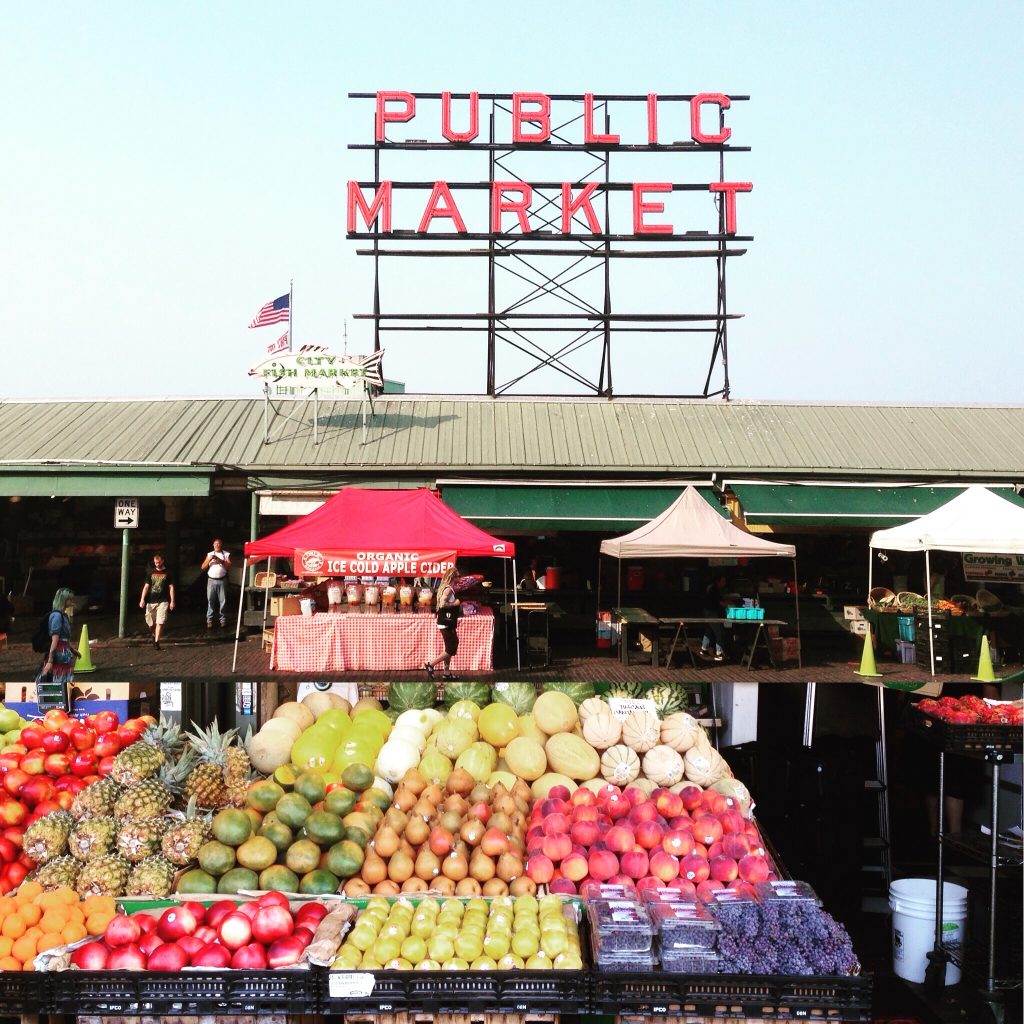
[65,481]
[795,506]
[548,507]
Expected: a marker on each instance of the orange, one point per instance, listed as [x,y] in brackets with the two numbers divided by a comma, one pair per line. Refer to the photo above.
[73,932]
[13,927]
[28,966]
[48,899]
[5,947]
[30,913]
[98,905]
[53,920]
[7,905]
[67,896]
[24,949]
[50,940]
[33,933]
[76,914]
[28,891]
[8,963]
[96,924]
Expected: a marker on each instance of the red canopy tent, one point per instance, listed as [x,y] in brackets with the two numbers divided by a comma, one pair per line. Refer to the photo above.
[376,532]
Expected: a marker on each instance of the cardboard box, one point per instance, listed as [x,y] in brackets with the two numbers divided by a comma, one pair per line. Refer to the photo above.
[126,700]
[854,611]
[285,605]
[859,627]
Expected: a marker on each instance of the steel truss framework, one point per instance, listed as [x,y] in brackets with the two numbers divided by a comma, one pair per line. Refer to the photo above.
[588,320]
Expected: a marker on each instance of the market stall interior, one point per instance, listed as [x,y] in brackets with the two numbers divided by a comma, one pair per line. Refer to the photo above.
[365,547]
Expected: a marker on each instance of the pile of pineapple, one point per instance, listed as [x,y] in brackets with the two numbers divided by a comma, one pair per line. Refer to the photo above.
[122,836]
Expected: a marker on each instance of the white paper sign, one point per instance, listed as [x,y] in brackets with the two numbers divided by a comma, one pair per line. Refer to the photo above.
[170,696]
[342,985]
[623,707]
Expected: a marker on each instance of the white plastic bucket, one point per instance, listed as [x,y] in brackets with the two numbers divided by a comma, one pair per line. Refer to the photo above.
[307,605]
[912,902]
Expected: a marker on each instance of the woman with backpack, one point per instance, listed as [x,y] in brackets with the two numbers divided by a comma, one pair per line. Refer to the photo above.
[59,666]
[449,611]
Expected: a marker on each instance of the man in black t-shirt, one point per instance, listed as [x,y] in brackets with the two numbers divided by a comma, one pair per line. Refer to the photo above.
[157,597]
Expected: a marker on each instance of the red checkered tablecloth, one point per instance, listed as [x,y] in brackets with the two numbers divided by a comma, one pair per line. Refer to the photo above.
[382,642]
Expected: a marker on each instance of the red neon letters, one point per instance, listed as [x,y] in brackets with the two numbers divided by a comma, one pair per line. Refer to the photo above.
[384,115]
[540,117]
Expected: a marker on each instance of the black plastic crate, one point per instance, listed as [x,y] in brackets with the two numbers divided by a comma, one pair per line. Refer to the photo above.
[516,991]
[23,994]
[943,659]
[188,993]
[733,995]
[967,739]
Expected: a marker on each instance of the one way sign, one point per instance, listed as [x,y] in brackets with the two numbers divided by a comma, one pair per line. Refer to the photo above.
[126,513]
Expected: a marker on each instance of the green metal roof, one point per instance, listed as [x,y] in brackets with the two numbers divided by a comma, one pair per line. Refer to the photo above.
[570,438]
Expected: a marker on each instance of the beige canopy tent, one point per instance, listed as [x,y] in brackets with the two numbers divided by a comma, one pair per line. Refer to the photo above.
[976,520]
[691,528]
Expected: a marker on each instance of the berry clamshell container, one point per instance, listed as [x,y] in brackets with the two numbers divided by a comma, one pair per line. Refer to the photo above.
[726,904]
[783,892]
[690,960]
[652,897]
[620,925]
[638,960]
[592,890]
[684,925]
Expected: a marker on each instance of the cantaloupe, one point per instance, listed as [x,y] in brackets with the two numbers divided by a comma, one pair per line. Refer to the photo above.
[555,712]
[298,713]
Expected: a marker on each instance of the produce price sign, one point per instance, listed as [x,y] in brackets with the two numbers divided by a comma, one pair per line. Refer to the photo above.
[623,707]
[330,562]
[997,568]
[343,985]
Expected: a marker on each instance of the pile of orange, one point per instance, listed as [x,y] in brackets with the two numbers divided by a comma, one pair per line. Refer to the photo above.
[33,920]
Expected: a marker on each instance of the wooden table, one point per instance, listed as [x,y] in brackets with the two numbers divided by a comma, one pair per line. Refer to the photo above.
[644,623]
[747,661]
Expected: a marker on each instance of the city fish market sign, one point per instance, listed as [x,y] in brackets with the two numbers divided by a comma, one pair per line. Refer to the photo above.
[316,562]
[289,373]
[994,568]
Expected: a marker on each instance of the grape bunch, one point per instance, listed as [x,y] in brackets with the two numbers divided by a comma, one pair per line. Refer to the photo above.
[787,938]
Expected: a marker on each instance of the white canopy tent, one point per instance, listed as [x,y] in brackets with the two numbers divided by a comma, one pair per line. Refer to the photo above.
[975,520]
[691,528]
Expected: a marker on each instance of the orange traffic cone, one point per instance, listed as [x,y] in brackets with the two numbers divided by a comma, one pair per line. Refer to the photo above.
[985,673]
[84,663]
[867,660]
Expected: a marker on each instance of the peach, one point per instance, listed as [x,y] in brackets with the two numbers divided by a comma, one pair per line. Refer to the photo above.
[690,796]
[540,868]
[663,865]
[684,885]
[723,869]
[738,885]
[565,886]
[635,795]
[735,845]
[555,824]
[732,821]
[620,839]
[713,801]
[603,864]
[714,850]
[556,846]
[635,863]
[605,793]
[576,848]
[583,797]
[617,806]
[552,804]
[707,829]
[680,821]
[585,833]
[642,812]
[558,793]
[621,879]
[706,888]
[586,812]
[679,842]
[649,834]
[575,867]
[753,868]
[650,882]
[534,846]
[535,832]
[669,804]
[694,867]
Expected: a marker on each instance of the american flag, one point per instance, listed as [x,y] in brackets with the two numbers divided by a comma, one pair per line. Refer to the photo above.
[272,313]
[278,346]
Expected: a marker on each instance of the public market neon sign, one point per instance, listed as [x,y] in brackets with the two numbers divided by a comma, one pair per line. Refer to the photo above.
[533,123]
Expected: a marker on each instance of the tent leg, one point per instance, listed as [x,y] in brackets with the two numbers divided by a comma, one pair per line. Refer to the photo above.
[515,612]
[504,587]
[871,565]
[266,602]
[619,602]
[931,635]
[238,624]
[796,600]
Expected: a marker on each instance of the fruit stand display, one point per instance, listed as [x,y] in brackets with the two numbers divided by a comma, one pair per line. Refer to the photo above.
[480,855]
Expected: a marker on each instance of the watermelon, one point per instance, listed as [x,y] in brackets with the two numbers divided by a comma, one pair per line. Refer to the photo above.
[478,693]
[579,692]
[631,691]
[408,696]
[668,699]
[518,696]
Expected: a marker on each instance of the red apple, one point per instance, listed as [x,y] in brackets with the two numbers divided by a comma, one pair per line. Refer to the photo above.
[122,931]
[235,930]
[55,742]
[107,745]
[176,922]
[695,867]
[212,955]
[82,737]
[252,957]
[313,913]
[191,944]
[150,942]
[248,909]
[272,899]
[104,721]
[146,922]
[92,956]
[32,736]
[105,765]
[272,923]
[34,762]
[127,958]
[304,932]
[199,910]
[168,957]
[14,779]
[57,763]
[284,952]
[205,934]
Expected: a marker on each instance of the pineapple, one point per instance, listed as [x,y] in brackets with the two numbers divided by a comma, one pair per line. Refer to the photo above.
[153,877]
[92,838]
[222,777]
[47,838]
[104,876]
[143,759]
[97,800]
[182,840]
[62,871]
[140,838]
[153,797]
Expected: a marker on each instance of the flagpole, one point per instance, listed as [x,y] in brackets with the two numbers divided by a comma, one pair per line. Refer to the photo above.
[291,284]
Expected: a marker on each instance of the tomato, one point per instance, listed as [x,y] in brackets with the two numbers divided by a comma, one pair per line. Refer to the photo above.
[106,721]
[32,736]
[55,742]
[82,737]
[107,744]
[84,763]
[55,719]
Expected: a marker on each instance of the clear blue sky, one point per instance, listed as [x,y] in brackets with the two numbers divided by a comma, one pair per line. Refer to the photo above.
[169,167]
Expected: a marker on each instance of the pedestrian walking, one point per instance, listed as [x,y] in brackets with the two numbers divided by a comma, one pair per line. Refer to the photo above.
[216,564]
[60,656]
[157,597]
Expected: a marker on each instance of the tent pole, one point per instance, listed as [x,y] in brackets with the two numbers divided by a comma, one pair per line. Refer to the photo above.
[515,611]
[266,602]
[504,587]
[931,635]
[599,581]
[871,565]
[620,583]
[238,624]
[796,601]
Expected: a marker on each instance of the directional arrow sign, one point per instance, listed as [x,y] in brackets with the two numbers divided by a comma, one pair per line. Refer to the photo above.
[126,513]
